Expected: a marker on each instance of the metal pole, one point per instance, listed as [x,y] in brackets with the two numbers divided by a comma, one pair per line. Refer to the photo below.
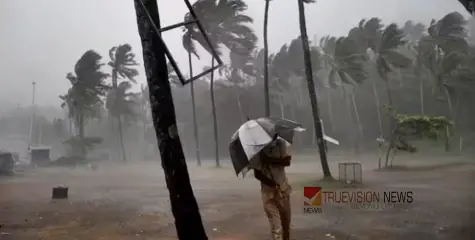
[32,118]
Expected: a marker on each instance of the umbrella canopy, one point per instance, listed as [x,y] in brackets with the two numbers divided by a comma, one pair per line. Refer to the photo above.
[254,135]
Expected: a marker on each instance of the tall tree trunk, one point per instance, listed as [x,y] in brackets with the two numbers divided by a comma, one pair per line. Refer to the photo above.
[421,88]
[193,106]
[388,91]
[121,139]
[392,121]
[215,118]
[118,117]
[238,99]
[311,90]
[352,119]
[330,109]
[81,135]
[378,108]
[314,135]
[282,107]
[182,200]
[451,114]
[71,126]
[357,115]
[266,59]
[456,127]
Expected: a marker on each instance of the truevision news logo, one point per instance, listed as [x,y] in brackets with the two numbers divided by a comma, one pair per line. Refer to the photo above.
[314,198]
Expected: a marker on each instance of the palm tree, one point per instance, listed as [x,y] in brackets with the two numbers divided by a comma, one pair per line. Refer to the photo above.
[226,25]
[447,49]
[88,86]
[120,103]
[413,32]
[311,88]
[182,200]
[419,51]
[448,37]
[344,66]
[388,58]
[366,36]
[122,61]
[235,75]
[266,59]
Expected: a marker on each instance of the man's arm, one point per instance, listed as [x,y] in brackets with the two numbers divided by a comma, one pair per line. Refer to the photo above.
[264,179]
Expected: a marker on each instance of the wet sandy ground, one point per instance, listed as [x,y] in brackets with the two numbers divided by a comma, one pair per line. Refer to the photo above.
[131,202]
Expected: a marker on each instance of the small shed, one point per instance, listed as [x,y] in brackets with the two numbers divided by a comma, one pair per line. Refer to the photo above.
[7,162]
[40,155]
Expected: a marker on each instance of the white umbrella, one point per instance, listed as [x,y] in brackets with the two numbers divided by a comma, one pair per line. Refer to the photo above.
[254,135]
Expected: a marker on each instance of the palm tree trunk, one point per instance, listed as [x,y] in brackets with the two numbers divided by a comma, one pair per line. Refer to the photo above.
[71,126]
[388,91]
[330,109]
[81,134]
[119,117]
[451,112]
[282,107]
[392,121]
[215,119]
[193,106]
[266,64]
[314,135]
[184,207]
[357,115]
[378,108]
[238,99]
[352,120]
[121,138]
[421,90]
[312,93]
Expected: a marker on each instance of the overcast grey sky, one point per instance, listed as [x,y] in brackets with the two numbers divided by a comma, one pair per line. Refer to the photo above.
[42,40]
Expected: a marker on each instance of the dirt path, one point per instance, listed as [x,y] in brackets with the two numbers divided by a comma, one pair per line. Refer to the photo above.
[132,203]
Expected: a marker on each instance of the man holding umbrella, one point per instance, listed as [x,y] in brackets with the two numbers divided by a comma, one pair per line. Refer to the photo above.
[261,144]
[275,188]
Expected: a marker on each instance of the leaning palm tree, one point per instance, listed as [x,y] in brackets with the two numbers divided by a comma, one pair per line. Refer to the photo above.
[226,25]
[413,31]
[311,88]
[366,36]
[122,61]
[448,40]
[446,50]
[388,58]
[344,65]
[88,87]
